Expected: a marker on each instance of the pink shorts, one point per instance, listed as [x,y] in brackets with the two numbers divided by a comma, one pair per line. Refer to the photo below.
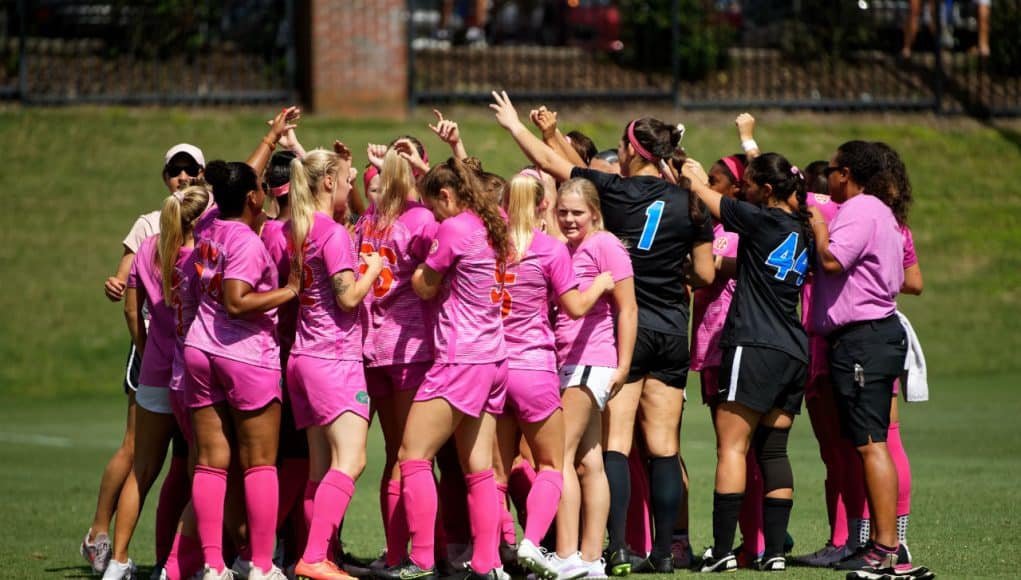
[710,377]
[469,388]
[322,389]
[211,379]
[386,380]
[532,395]
[180,409]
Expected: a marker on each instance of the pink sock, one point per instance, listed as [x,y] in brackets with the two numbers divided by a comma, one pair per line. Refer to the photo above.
[332,498]
[750,519]
[519,485]
[396,525]
[900,461]
[639,518]
[209,491]
[308,502]
[485,521]
[174,496]
[418,494]
[507,532]
[293,478]
[185,558]
[542,504]
[262,495]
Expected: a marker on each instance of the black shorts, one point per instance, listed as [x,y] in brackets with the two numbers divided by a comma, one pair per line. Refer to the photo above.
[761,379]
[131,370]
[662,356]
[875,352]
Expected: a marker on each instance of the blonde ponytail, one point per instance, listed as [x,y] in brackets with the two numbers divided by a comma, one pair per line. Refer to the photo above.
[177,218]
[396,183]
[307,175]
[523,200]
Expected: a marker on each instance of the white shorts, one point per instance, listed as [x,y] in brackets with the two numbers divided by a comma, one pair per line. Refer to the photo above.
[595,379]
[154,399]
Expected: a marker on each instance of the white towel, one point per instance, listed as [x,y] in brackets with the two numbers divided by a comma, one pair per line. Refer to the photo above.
[913,383]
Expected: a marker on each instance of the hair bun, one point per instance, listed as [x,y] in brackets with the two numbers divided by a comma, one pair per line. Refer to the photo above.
[217,173]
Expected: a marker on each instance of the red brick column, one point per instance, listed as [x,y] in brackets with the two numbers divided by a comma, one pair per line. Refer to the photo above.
[358,55]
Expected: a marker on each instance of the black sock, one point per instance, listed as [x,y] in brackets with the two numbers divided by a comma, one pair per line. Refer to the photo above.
[618,475]
[776,514]
[726,509]
[666,489]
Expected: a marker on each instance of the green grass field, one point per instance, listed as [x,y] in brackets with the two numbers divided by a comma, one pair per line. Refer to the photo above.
[75,179]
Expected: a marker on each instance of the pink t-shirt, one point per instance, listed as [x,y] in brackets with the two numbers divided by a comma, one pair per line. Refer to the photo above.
[400,323]
[158,357]
[866,240]
[530,286]
[276,242]
[591,340]
[468,327]
[324,329]
[828,208]
[185,302]
[230,250]
[910,257]
[710,306]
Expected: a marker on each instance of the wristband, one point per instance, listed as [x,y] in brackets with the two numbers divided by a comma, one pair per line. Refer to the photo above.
[749,144]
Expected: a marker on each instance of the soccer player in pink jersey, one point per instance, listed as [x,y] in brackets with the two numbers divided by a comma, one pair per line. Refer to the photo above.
[398,343]
[233,369]
[539,269]
[464,389]
[325,377]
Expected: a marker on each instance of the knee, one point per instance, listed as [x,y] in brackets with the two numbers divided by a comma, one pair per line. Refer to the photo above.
[771,451]
[354,466]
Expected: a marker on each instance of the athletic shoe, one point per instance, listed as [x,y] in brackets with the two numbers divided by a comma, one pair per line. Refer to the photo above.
[324,570]
[569,568]
[97,553]
[157,571]
[241,568]
[772,564]
[921,574]
[273,573]
[379,563]
[596,569]
[868,558]
[712,563]
[680,548]
[824,557]
[119,570]
[655,565]
[620,562]
[407,571]
[536,559]
[211,574]
[873,563]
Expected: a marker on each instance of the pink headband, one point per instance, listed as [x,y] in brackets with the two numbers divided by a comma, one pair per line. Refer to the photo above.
[370,172]
[638,146]
[735,166]
[280,190]
[531,172]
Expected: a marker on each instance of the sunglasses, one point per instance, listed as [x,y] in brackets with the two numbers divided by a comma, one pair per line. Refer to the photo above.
[830,169]
[192,169]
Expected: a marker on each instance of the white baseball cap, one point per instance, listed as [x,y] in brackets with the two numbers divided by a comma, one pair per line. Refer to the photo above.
[189,150]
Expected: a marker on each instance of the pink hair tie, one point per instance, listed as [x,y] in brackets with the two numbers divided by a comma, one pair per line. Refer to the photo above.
[642,151]
[280,190]
[370,172]
[795,170]
[735,167]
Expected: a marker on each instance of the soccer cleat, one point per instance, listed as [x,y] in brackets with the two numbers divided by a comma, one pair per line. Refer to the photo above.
[211,574]
[711,563]
[655,565]
[241,568]
[158,573]
[772,564]
[324,570]
[569,568]
[98,552]
[680,548]
[119,570]
[407,571]
[273,573]
[596,569]
[620,562]
[535,559]
[824,557]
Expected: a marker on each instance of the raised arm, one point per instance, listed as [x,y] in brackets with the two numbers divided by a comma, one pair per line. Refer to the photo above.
[546,121]
[821,231]
[280,125]
[746,133]
[538,152]
[700,185]
[449,133]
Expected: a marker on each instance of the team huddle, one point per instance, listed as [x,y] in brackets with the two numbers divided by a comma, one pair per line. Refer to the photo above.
[527,337]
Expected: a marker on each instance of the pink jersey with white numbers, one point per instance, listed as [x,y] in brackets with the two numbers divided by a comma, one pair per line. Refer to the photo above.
[324,329]
[230,250]
[710,306]
[185,303]
[399,323]
[591,340]
[145,275]
[530,286]
[276,241]
[468,327]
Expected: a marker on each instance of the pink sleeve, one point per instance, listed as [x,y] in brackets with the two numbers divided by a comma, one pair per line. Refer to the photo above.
[613,258]
[910,257]
[422,240]
[337,254]
[247,261]
[726,245]
[559,269]
[849,235]
[444,250]
[133,274]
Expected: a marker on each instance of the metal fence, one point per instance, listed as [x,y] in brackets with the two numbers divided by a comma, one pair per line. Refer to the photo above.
[149,51]
[796,54]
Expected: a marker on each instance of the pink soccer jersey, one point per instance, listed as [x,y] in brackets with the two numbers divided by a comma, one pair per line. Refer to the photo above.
[400,323]
[530,286]
[591,340]
[230,250]
[910,257]
[468,327]
[158,357]
[185,303]
[710,306]
[324,329]
[276,242]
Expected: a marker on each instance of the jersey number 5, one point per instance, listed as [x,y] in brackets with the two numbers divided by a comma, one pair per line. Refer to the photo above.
[499,294]
[653,215]
[782,258]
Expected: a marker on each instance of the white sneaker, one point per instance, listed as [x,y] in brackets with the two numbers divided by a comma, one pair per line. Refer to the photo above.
[119,570]
[569,568]
[210,574]
[241,568]
[711,563]
[536,559]
[501,574]
[273,573]
[596,569]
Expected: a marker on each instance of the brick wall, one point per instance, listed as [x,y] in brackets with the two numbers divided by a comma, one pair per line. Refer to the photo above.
[358,57]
